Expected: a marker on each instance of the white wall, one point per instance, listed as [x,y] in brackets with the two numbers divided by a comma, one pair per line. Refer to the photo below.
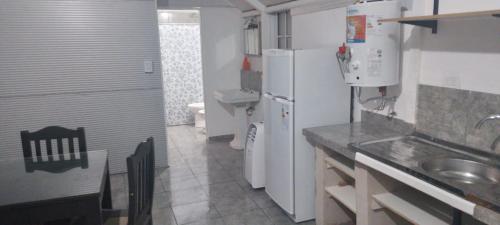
[327,29]
[80,63]
[464,54]
[319,29]
[222,55]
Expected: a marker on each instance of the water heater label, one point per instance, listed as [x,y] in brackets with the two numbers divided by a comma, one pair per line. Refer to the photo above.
[373,27]
[356,29]
[374,62]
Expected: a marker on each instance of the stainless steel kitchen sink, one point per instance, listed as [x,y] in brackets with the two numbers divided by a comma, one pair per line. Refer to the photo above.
[463,171]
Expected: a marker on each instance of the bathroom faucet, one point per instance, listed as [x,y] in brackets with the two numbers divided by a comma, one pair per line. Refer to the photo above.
[482,121]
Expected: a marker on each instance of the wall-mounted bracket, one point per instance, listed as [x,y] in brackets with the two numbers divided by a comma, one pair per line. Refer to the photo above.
[432,24]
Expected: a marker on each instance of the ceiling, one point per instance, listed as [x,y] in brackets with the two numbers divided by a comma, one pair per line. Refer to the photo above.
[180,4]
[242,5]
[274,2]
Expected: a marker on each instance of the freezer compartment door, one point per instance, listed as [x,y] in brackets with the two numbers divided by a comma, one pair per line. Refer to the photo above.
[278,73]
[279,153]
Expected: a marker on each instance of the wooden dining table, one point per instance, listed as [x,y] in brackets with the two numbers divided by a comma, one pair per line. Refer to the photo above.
[37,190]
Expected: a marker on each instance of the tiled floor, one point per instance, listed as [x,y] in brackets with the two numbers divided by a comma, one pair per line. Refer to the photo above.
[204,185]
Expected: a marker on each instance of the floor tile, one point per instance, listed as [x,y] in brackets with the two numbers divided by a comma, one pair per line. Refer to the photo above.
[242,181]
[163,216]
[214,177]
[229,206]
[224,190]
[162,200]
[119,199]
[180,183]
[231,162]
[274,211]
[212,221]
[261,198]
[175,172]
[254,217]
[205,184]
[190,195]
[209,167]
[281,220]
[159,186]
[189,213]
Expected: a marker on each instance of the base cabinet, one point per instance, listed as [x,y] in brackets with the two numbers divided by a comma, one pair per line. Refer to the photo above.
[335,195]
[349,192]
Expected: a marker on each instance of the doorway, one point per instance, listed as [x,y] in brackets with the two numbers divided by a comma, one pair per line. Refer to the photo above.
[180,44]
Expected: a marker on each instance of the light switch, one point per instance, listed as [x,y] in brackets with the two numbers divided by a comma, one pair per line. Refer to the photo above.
[148,66]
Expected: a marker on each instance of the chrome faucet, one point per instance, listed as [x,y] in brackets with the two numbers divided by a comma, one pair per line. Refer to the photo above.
[489,117]
[482,121]
[495,143]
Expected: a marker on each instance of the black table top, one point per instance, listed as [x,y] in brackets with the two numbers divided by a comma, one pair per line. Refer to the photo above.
[25,181]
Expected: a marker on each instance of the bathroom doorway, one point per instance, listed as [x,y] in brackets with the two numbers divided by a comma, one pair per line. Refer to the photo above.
[180,43]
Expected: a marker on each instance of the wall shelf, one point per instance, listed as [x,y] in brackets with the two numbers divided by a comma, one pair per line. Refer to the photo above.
[414,207]
[332,163]
[344,194]
[431,20]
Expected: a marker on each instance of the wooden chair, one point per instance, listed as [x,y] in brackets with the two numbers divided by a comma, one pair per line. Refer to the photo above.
[141,178]
[48,134]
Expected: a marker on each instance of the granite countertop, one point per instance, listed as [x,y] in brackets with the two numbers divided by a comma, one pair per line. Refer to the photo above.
[338,137]
[404,154]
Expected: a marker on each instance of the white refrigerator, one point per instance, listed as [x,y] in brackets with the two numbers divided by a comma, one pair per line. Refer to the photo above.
[302,88]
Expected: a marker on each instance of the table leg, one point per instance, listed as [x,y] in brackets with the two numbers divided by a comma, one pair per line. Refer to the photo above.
[92,212]
[106,199]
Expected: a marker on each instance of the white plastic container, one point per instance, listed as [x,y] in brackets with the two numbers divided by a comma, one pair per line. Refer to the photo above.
[374,47]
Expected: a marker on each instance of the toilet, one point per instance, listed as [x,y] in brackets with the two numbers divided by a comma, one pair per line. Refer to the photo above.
[198,110]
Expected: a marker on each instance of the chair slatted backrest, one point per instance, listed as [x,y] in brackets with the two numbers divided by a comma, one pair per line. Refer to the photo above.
[48,134]
[141,178]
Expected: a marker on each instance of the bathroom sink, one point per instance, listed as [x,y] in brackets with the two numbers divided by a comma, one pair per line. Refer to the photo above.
[236,96]
[463,171]
[239,100]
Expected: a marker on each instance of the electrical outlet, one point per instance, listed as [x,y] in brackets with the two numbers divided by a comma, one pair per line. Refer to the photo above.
[148,66]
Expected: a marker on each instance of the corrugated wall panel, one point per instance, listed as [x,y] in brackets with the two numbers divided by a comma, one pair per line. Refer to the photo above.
[65,46]
[116,121]
[80,63]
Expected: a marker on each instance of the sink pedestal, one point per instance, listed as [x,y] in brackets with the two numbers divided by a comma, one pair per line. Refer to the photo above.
[240,130]
[240,100]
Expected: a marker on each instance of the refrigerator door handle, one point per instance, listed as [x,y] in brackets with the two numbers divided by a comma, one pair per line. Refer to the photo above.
[282,97]
[283,101]
[268,96]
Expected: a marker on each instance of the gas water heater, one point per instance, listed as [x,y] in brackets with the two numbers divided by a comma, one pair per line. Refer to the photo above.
[371,56]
